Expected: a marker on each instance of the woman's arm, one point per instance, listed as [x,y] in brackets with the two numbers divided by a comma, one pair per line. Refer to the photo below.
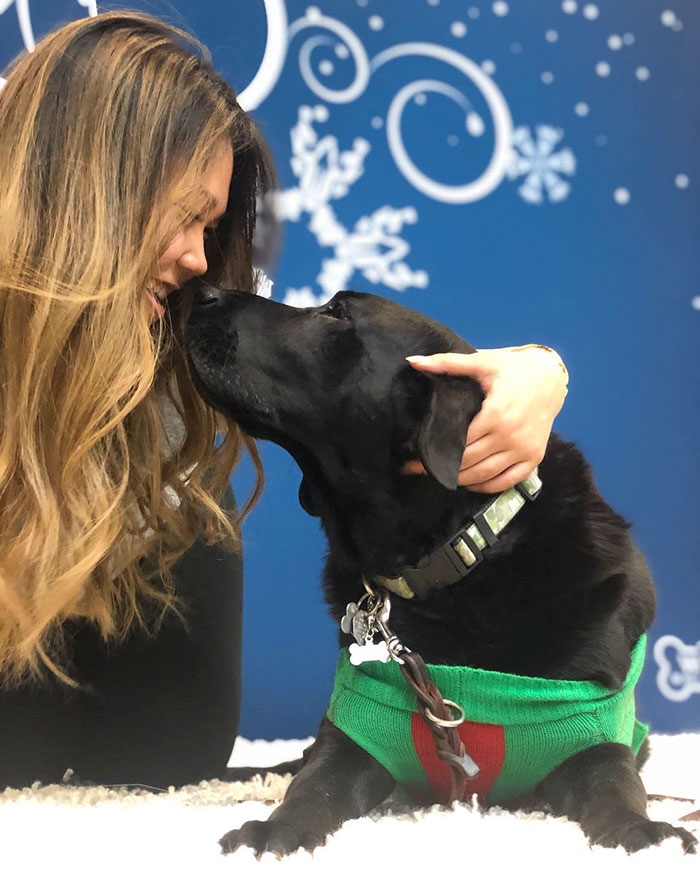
[525,388]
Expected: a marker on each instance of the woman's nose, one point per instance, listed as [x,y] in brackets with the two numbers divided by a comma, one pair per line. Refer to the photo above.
[193,258]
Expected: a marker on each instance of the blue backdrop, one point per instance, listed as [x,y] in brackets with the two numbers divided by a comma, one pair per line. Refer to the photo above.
[524,171]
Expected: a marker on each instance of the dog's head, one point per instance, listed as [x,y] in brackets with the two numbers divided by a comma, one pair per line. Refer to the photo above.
[331,384]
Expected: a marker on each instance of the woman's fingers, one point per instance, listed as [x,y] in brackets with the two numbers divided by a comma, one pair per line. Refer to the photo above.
[474,453]
[480,449]
[485,422]
[487,469]
[505,479]
[459,364]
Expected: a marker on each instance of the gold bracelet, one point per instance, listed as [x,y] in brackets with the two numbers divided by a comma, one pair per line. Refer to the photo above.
[546,349]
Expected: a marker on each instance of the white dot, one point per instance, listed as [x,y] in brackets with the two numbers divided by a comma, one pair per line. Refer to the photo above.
[500,8]
[642,73]
[551,36]
[473,12]
[696,302]
[628,39]
[420,99]
[362,2]
[376,22]
[453,140]
[342,51]
[547,77]
[591,11]
[516,48]
[377,122]
[458,28]
[326,67]
[488,67]
[682,180]
[475,124]
[614,41]
[668,18]
[601,140]
[602,68]
[581,109]
[622,196]
[433,2]
[569,6]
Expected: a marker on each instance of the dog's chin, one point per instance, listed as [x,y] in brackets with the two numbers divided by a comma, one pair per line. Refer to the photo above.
[210,398]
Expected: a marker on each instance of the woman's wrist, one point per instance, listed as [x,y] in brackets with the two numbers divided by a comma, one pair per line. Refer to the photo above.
[553,354]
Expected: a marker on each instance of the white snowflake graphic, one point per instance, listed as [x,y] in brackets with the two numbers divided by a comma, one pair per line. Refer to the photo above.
[543,168]
[373,247]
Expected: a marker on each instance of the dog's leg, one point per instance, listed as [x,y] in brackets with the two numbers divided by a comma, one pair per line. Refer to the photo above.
[338,782]
[601,789]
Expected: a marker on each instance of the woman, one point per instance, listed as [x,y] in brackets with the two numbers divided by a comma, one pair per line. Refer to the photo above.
[120,568]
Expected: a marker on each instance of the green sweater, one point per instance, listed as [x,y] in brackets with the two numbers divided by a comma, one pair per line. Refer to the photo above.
[517,729]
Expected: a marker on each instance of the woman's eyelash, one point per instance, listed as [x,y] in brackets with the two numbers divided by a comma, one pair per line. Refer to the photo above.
[209,230]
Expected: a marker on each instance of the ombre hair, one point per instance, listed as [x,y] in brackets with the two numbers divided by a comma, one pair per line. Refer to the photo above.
[108,128]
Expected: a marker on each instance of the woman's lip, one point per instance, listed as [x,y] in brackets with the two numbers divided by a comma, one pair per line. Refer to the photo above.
[156,306]
[165,288]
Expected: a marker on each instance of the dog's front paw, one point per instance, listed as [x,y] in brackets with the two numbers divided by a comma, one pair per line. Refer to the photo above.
[274,836]
[633,835]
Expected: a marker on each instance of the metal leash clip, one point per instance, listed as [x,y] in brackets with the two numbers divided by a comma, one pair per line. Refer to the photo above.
[363,625]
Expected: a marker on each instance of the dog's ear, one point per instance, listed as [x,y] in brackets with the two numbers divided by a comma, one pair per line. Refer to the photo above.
[306,498]
[454,401]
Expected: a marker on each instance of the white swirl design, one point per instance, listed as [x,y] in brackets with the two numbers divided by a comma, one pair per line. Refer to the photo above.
[500,114]
[502,123]
[315,18]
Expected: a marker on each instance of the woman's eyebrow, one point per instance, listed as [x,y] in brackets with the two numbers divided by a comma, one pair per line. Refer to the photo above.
[211,204]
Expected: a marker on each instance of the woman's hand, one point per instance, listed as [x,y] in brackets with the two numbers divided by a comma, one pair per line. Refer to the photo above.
[525,389]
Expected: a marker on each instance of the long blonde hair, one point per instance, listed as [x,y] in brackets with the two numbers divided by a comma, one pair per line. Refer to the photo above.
[106,125]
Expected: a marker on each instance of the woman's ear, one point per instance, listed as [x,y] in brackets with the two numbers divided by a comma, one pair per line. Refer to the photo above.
[454,401]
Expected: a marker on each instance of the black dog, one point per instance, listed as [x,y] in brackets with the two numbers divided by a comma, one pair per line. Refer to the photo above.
[560,593]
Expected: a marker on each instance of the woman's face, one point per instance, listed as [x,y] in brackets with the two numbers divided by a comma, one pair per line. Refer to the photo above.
[185,258]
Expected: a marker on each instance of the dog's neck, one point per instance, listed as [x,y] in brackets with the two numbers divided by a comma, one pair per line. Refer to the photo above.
[396,523]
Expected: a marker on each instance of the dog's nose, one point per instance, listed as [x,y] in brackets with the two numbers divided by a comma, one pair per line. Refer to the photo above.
[207,295]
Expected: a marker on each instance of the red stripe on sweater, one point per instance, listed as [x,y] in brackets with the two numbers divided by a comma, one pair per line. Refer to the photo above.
[485,744]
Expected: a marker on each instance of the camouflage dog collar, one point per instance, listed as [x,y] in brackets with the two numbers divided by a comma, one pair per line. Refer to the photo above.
[463,551]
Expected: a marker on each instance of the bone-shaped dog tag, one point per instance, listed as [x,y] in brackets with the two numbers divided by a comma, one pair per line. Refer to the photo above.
[369,652]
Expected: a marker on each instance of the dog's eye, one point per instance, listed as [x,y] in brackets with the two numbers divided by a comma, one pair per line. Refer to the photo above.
[335,309]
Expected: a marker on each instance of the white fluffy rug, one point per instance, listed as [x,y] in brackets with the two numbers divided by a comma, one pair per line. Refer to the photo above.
[104,830]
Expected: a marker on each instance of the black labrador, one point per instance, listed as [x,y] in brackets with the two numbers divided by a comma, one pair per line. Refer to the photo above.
[561,592]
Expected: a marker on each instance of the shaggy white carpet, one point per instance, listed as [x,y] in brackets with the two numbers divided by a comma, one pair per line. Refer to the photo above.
[104,830]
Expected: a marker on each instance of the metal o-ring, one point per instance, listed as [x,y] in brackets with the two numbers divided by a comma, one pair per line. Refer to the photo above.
[448,723]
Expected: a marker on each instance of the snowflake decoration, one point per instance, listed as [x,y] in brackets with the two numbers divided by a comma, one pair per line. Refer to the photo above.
[374,246]
[535,159]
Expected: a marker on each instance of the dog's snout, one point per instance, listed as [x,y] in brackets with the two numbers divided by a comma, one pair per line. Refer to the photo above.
[207,295]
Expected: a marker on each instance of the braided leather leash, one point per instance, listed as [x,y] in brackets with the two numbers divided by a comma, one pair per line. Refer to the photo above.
[434,711]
